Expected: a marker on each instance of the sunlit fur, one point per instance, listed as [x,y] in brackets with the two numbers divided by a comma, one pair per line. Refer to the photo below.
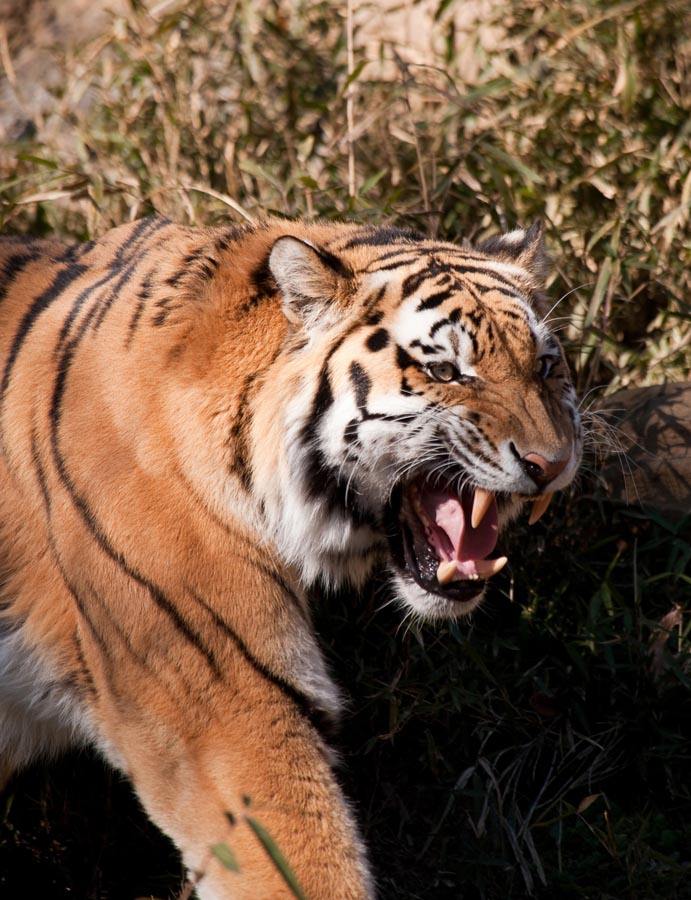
[195,426]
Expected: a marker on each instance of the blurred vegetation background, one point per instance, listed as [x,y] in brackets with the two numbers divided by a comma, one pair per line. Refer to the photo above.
[542,749]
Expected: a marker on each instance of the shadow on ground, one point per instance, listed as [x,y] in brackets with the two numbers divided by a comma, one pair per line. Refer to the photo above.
[76,830]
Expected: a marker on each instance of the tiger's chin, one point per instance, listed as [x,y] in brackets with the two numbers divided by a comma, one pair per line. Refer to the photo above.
[439,605]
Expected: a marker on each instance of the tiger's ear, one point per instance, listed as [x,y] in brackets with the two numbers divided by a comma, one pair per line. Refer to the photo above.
[522,248]
[311,281]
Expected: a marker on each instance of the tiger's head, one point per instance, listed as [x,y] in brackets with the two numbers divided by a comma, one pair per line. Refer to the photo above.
[418,401]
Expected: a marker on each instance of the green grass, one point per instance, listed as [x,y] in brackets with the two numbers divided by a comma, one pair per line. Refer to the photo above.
[542,749]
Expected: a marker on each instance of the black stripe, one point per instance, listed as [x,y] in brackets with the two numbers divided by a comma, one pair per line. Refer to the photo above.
[409,259]
[17,240]
[281,583]
[465,269]
[319,471]
[229,236]
[327,483]
[407,419]
[442,323]
[197,264]
[471,463]
[81,250]
[434,300]
[13,267]
[239,435]
[143,295]
[374,318]
[361,383]
[413,282]
[165,306]
[377,340]
[498,289]
[207,268]
[350,432]
[323,399]
[320,719]
[262,280]
[371,304]
[40,472]
[376,237]
[408,390]
[404,360]
[87,680]
[151,223]
[185,266]
[324,480]
[431,272]
[339,266]
[60,283]
[476,318]
[425,348]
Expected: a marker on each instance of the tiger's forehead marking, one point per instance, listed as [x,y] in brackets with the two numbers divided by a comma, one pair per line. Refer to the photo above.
[449,299]
[432,332]
[448,316]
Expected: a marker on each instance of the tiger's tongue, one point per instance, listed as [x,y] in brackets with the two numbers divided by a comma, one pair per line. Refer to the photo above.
[450,531]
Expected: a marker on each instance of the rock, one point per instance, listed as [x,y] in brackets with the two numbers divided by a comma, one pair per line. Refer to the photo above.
[651,468]
[35,38]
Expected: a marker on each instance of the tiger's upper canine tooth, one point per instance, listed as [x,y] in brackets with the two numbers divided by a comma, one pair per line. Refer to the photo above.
[482,500]
[540,504]
[445,572]
[488,567]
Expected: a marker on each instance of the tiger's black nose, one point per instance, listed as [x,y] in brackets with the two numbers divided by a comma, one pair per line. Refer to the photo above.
[539,469]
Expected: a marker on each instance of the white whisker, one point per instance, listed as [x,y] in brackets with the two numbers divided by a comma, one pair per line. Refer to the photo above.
[563,297]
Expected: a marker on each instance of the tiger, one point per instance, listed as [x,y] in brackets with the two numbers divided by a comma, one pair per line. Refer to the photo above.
[202,430]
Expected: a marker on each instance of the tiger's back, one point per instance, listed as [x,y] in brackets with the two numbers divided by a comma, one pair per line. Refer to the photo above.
[195,425]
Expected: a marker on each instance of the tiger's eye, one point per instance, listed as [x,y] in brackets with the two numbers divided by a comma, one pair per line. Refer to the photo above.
[544,365]
[443,371]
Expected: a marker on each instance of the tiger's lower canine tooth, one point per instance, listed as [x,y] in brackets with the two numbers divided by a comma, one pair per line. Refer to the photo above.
[540,504]
[445,572]
[488,567]
[482,500]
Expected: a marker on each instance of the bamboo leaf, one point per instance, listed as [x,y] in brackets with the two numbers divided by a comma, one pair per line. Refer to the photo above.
[226,857]
[39,160]
[276,857]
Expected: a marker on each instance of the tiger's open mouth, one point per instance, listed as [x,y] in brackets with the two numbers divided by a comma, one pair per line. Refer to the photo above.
[444,538]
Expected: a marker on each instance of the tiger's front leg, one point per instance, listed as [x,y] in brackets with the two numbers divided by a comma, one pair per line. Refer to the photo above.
[255,760]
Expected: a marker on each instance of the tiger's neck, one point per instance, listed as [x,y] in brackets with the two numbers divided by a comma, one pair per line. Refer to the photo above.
[263,417]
